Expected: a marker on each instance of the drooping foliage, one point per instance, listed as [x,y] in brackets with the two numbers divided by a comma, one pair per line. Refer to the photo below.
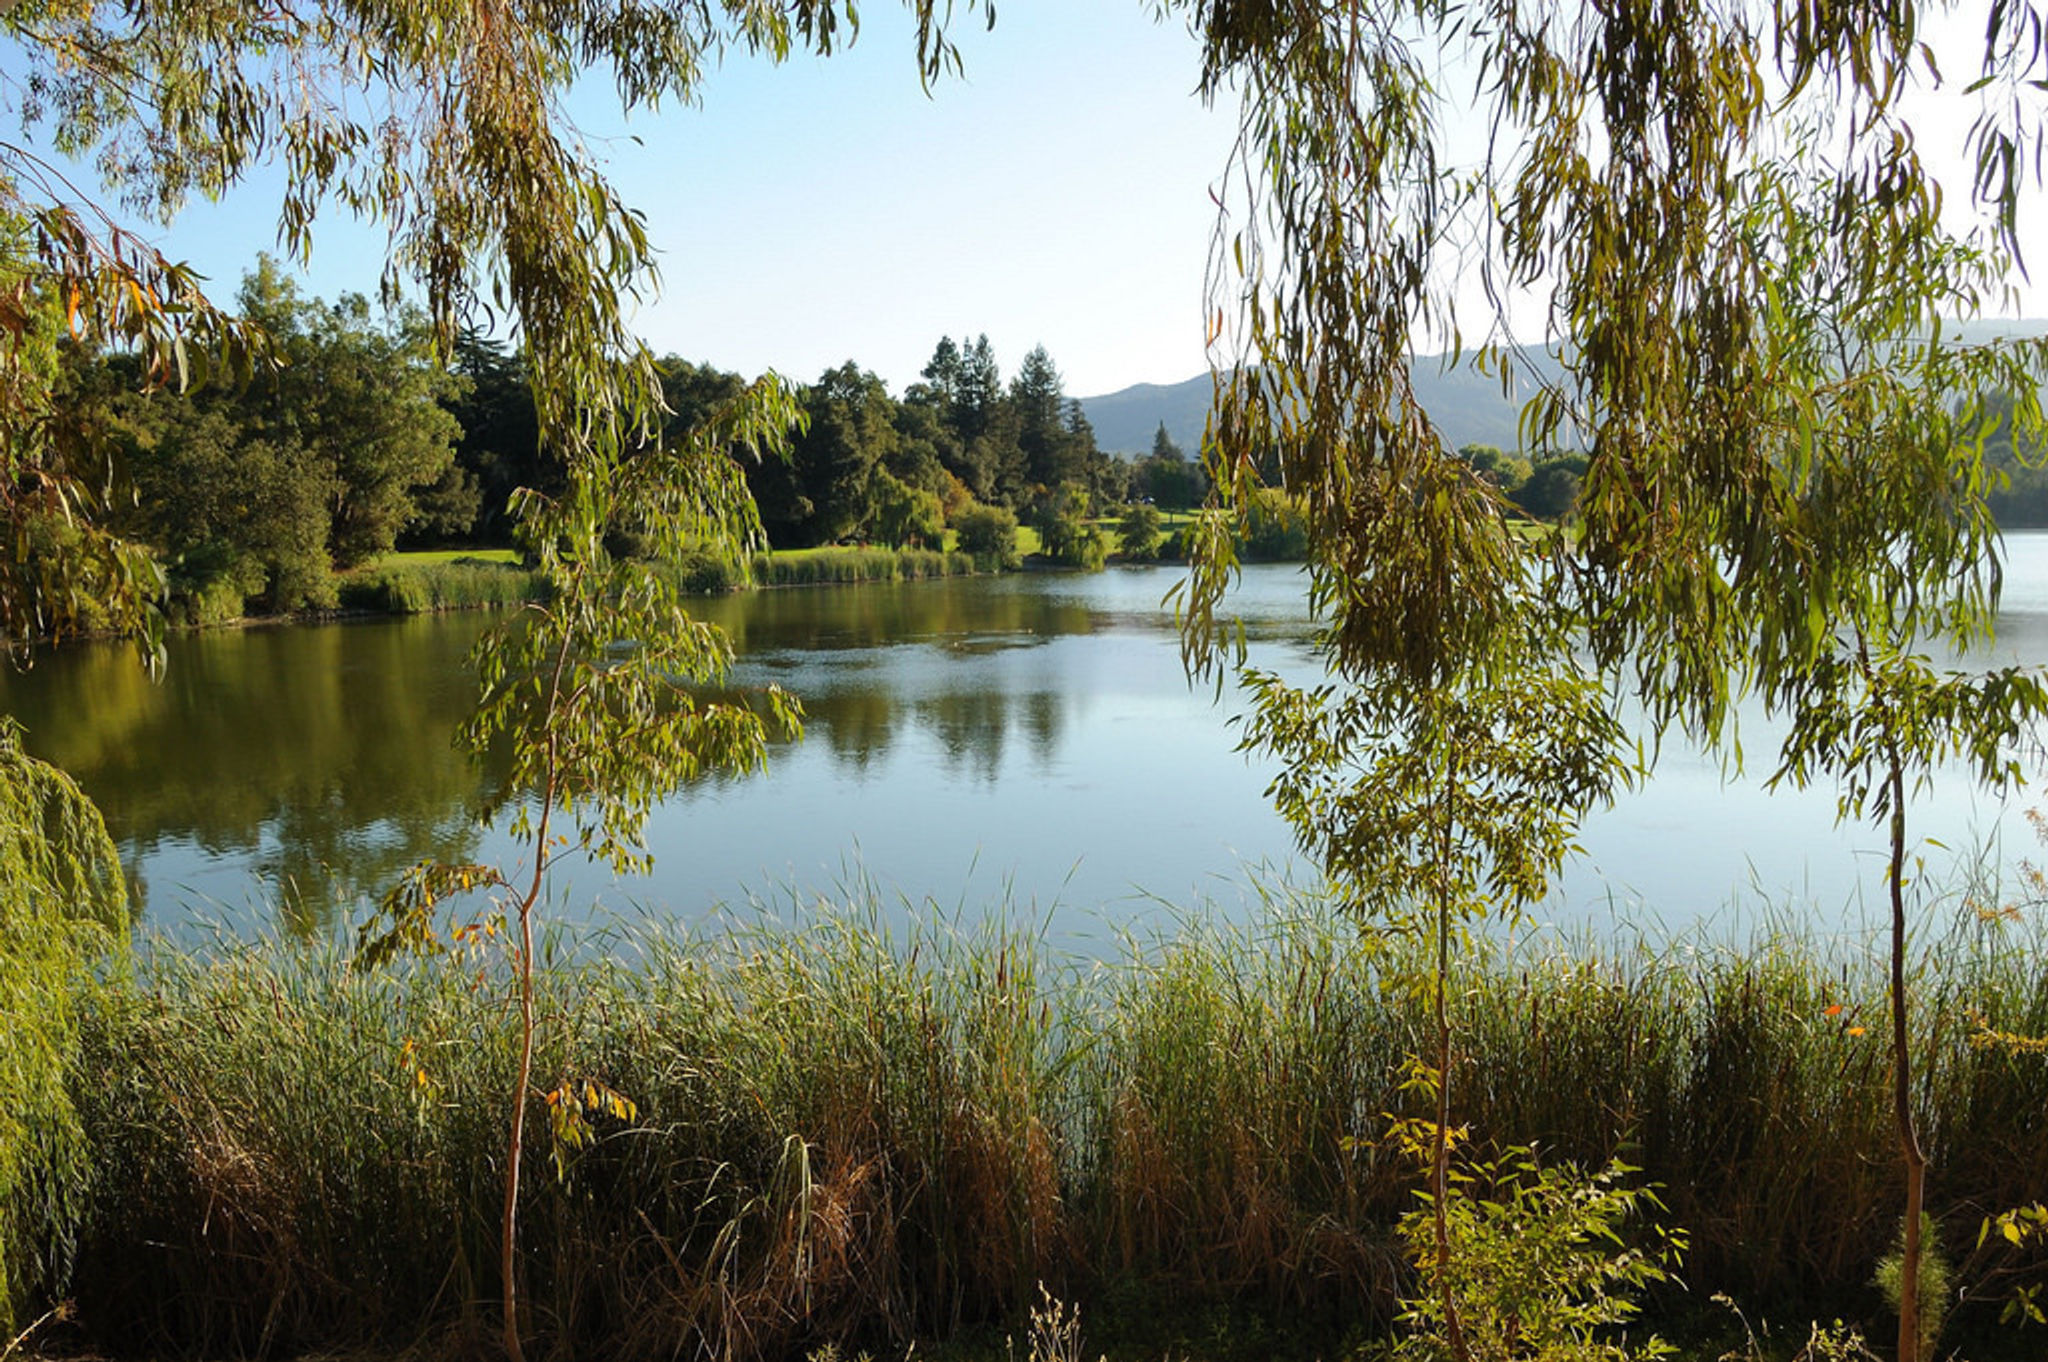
[445,123]
[62,900]
[1695,204]
[1638,160]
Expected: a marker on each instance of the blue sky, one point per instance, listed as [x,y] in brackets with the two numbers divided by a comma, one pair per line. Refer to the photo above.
[828,209]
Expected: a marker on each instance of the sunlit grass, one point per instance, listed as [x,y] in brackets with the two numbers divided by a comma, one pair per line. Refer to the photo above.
[835,564]
[434,557]
[877,1124]
[421,584]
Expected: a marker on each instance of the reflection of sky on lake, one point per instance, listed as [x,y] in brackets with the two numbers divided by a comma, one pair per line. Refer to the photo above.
[1061,759]
[1693,845]
[1030,737]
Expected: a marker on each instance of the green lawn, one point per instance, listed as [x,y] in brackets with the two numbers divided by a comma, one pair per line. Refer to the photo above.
[434,557]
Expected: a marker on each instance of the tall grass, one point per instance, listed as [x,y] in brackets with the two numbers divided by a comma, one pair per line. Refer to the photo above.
[423,587]
[853,1133]
[420,584]
[818,567]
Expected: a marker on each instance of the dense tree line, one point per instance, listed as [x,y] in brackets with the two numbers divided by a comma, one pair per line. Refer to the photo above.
[1166,477]
[257,492]
[874,467]
[1542,487]
[353,439]
[2018,494]
[867,466]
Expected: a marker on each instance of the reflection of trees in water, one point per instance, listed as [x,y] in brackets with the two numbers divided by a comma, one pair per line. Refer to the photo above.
[323,755]
[857,723]
[1044,718]
[325,861]
[860,716]
[969,725]
[884,614]
[335,742]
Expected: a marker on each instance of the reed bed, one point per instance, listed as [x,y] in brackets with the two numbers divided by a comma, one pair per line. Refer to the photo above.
[829,566]
[415,588]
[874,1126]
[422,588]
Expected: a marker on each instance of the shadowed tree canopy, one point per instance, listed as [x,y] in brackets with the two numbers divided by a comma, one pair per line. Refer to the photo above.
[500,449]
[318,462]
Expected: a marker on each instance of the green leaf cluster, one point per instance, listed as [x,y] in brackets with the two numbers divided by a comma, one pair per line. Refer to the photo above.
[1542,1262]
[63,902]
[259,492]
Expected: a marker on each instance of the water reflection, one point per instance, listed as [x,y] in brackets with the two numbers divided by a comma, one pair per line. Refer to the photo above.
[309,765]
[971,727]
[1029,736]
[319,757]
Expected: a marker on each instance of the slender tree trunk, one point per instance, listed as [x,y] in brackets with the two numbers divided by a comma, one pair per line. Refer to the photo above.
[1440,1163]
[508,1256]
[1902,1094]
[508,1228]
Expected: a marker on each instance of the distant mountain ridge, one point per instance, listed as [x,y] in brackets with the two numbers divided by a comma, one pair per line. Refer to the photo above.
[1469,407]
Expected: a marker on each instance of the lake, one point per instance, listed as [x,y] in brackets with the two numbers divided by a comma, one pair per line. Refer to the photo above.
[1026,740]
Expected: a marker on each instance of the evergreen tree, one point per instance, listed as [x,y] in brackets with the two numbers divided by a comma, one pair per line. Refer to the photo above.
[1164,446]
[999,449]
[943,375]
[1166,476]
[979,393]
[1037,394]
[1106,478]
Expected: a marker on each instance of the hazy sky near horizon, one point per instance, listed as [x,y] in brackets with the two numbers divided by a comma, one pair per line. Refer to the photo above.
[829,209]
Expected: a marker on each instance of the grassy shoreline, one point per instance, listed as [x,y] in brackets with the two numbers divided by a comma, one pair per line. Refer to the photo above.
[432,581]
[428,581]
[861,1135]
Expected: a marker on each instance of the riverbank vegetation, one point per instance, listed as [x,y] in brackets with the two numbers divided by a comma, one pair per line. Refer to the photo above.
[418,589]
[284,491]
[844,1134]
[1745,266]
[414,584]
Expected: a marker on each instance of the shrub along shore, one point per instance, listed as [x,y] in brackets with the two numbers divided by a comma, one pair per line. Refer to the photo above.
[408,584]
[851,1134]
[424,582]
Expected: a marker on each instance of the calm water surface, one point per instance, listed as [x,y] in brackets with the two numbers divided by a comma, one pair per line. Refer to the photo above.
[1027,739]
